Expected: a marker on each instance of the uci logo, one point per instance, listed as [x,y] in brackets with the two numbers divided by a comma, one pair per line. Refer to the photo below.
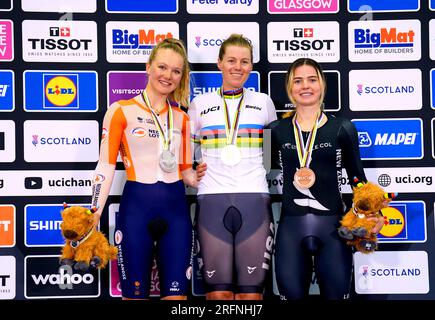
[215,108]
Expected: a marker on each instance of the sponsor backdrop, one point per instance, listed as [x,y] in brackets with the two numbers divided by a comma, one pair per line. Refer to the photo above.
[63,62]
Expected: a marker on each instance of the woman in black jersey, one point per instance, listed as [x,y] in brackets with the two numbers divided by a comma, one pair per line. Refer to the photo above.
[312,149]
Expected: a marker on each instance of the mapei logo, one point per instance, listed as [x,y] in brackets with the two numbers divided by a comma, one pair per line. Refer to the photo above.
[383,5]
[393,139]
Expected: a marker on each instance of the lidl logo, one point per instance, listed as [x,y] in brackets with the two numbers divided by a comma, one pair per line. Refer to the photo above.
[395,139]
[405,221]
[7,90]
[60,91]
[143,6]
[209,81]
[383,5]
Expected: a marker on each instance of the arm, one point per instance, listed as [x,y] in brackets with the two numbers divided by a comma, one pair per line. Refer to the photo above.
[113,126]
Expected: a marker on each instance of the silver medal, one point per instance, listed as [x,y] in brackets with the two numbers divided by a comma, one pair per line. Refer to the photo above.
[167,161]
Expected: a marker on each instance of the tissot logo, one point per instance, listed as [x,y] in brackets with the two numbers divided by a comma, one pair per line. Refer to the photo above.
[45,279]
[33,182]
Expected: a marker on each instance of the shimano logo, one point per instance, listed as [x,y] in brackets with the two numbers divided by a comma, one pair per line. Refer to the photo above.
[44,225]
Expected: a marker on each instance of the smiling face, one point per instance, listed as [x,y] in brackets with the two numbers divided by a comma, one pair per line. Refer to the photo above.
[165,72]
[236,65]
[306,87]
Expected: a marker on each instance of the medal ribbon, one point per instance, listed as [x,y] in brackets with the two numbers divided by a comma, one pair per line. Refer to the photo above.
[231,130]
[305,149]
[165,136]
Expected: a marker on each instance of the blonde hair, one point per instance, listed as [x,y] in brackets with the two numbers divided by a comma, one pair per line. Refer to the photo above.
[181,93]
[291,75]
[237,40]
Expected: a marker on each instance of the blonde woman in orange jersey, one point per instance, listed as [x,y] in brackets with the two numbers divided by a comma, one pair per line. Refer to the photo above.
[153,139]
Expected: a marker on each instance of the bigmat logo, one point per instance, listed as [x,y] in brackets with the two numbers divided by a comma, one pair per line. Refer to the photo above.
[279,96]
[115,285]
[222,7]
[132,42]
[44,278]
[7,277]
[383,5]
[288,41]
[42,225]
[404,222]
[143,6]
[387,89]
[6,5]
[390,139]
[61,141]
[303,6]
[6,40]
[205,38]
[384,40]
[7,90]
[74,91]
[432,39]
[7,141]
[124,85]
[391,272]
[59,41]
[59,5]
[209,81]
[7,225]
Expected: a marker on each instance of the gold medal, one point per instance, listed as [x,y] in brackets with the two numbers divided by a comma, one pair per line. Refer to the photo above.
[231,155]
[304,178]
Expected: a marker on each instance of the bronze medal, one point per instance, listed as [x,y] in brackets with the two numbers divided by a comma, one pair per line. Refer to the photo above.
[304,178]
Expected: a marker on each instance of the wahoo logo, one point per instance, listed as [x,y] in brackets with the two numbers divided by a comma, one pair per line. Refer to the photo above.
[394,139]
[138,132]
[45,279]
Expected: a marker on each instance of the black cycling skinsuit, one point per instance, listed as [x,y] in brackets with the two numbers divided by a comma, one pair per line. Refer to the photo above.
[307,230]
